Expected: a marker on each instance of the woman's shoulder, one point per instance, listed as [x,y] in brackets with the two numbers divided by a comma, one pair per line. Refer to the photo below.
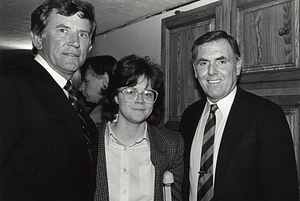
[165,133]
[101,126]
[166,139]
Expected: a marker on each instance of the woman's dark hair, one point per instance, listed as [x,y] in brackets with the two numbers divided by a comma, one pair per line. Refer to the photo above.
[214,36]
[99,65]
[127,72]
[40,15]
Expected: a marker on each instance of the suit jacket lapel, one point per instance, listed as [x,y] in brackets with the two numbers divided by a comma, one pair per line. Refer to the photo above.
[187,128]
[56,97]
[234,125]
[194,120]
[190,133]
[101,179]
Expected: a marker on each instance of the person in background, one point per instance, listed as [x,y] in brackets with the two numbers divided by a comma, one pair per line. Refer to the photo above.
[134,153]
[95,74]
[46,152]
[247,150]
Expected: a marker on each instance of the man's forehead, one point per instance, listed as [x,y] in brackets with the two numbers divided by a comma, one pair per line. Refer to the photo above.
[57,18]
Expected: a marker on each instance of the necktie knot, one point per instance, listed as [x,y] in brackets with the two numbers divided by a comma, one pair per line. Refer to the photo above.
[72,94]
[70,88]
[213,108]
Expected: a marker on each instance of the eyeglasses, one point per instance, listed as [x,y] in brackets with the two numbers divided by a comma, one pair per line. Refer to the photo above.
[130,95]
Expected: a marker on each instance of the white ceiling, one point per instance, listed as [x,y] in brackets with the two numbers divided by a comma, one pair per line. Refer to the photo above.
[110,14]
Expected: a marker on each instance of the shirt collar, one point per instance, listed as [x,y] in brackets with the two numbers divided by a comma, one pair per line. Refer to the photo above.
[225,104]
[110,135]
[61,81]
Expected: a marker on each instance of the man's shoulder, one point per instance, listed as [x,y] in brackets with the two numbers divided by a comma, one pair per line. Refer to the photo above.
[253,98]
[256,102]
[196,107]
[18,69]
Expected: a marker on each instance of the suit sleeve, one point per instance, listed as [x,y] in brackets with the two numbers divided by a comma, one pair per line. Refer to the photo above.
[277,166]
[11,119]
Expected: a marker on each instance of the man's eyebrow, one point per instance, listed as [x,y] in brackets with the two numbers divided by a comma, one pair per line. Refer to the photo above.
[221,58]
[84,30]
[59,26]
[200,60]
[66,26]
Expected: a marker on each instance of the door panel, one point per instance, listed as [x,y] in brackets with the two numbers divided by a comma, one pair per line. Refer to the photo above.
[178,35]
[184,88]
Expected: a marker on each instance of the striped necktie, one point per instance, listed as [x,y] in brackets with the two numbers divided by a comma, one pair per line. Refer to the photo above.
[74,101]
[205,182]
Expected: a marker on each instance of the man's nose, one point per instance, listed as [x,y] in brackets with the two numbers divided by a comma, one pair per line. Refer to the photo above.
[73,40]
[212,69]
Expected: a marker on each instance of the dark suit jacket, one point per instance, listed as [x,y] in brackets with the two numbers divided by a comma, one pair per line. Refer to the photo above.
[166,147]
[43,150]
[256,159]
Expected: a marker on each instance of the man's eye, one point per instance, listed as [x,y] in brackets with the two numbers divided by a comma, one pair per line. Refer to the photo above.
[202,63]
[85,35]
[222,62]
[63,30]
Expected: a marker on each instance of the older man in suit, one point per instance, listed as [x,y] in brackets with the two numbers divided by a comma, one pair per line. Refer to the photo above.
[47,153]
[247,151]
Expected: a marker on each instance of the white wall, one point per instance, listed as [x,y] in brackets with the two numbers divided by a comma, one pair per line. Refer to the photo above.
[142,38]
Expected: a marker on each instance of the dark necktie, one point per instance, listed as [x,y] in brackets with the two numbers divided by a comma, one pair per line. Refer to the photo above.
[205,182]
[74,101]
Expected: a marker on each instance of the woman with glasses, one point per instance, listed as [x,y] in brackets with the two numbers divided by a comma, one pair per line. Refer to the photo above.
[134,153]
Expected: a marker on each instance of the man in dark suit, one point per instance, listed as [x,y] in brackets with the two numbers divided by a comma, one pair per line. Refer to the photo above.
[252,149]
[45,154]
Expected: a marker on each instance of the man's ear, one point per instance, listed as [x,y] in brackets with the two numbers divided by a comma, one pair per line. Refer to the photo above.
[90,47]
[37,41]
[239,66]
[116,99]
[195,70]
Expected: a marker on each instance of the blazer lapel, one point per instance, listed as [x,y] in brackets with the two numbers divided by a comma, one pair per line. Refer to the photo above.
[56,97]
[102,190]
[235,123]
[194,120]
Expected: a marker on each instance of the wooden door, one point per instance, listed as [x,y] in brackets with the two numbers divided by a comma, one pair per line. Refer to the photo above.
[178,34]
[268,34]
